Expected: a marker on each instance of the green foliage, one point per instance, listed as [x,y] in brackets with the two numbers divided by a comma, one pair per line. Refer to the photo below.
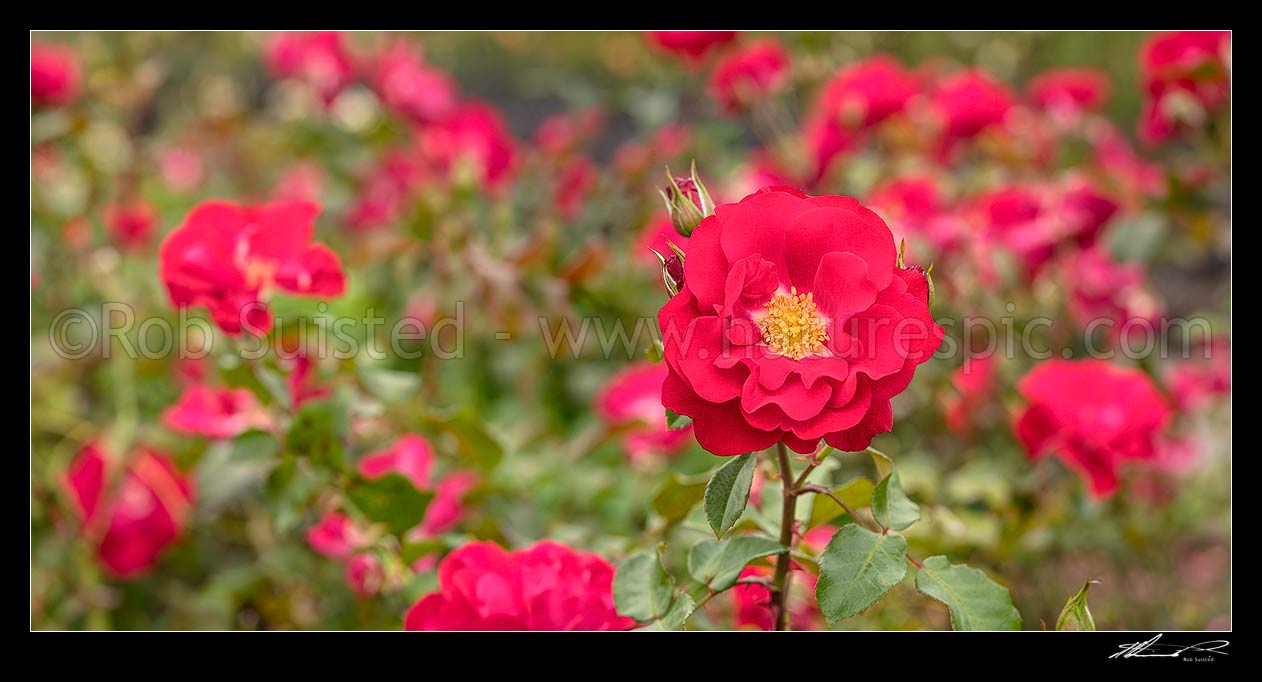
[976,602]
[891,506]
[856,569]
[728,492]
[641,587]
[391,500]
[718,564]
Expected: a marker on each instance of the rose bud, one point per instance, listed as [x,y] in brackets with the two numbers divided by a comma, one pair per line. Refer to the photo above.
[687,200]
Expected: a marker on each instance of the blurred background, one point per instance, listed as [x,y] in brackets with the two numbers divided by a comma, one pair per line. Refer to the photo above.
[518,174]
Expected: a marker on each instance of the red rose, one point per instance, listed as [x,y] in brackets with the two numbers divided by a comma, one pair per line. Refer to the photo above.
[130,224]
[474,138]
[447,508]
[914,206]
[336,536]
[146,513]
[859,97]
[1067,92]
[634,396]
[794,324]
[216,413]
[969,102]
[319,58]
[410,455]
[365,575]
[1101,288]
[1204,374]
[411,87]
[1033,221]
[227,257]
[549,586]
[755,71]
[1091,414]
[976,382]
[413,457]
[385,190]
[574,180]
[1186,76]
[55,74]
[690,45]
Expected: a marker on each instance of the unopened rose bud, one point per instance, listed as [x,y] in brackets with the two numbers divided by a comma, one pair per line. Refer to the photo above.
[672,270]
[687,200]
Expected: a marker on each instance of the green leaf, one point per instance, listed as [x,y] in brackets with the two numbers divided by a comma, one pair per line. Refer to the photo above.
[727,493]
[976,601]
[676,421]
[389,385]
[675,617]
[856,492]
[641,587]
[718,565]
[891,506]
[856,569]
[884,465]
[473,442]
[275,385]
[253,446]
[677,496]
[319,433]
[1076,615]
[392,500]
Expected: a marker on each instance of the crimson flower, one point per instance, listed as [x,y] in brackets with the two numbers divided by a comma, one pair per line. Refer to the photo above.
[634,396]
[857,98]
[413,457]
[1068,92]
[55,74]
[1093,415]
[336,536]
[549,586]
[318,58]
[132,524]
[1186,76]
[690,45]
[795,323]
[475,139]
[228,257]
[216,413]
[969,102]
[743,76]
[131,224]
[410,86]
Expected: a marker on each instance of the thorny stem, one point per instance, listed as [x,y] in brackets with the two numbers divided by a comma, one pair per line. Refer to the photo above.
[780,582]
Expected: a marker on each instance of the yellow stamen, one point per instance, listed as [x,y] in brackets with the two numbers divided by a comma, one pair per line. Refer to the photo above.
[791,326]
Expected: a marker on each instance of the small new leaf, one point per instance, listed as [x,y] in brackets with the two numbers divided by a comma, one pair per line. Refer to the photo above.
[728,492]
[891,506]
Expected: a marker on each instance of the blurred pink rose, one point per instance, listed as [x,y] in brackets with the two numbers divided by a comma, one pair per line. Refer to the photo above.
[55,74]
[548,586]
[1093,415]
[216,413]
[318,58]
[144,515]
[634,396]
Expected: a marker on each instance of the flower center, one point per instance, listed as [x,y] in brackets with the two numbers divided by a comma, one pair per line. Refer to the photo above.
[791,326]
